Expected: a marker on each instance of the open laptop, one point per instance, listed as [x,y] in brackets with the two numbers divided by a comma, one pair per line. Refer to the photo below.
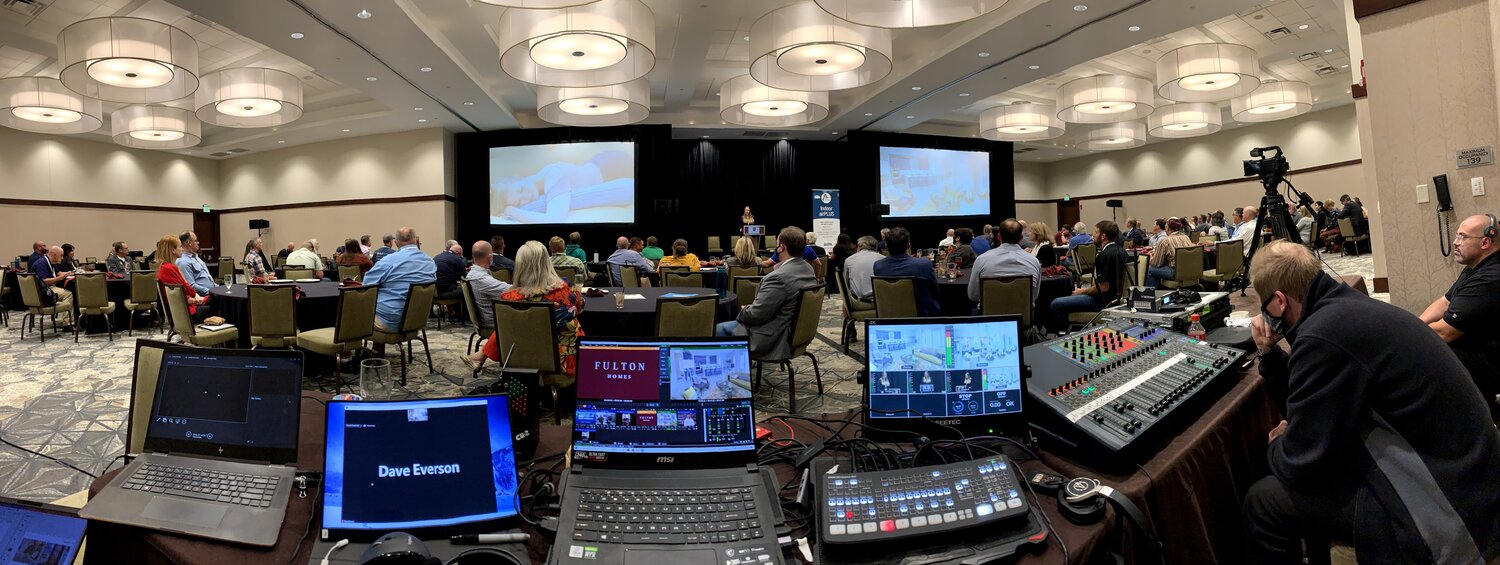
[664,457]
[429,468]
[39,534]
[220,448]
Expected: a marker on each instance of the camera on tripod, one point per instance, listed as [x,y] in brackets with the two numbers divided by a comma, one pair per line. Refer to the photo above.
[1266,168]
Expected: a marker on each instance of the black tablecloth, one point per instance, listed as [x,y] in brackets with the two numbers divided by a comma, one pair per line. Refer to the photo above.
[319,309]
[638,318]
[953,295]
[11,300]
[118,290]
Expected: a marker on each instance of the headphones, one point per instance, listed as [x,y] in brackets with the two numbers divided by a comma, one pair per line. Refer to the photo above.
[1490,231]
[400,548]
[1082,501]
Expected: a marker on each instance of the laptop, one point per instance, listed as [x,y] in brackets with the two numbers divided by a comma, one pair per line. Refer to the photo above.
[429,468]
[220,448]
[664,465]
[39,534]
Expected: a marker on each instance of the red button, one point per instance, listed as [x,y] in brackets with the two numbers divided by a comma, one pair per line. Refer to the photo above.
[887,525]
[849,514]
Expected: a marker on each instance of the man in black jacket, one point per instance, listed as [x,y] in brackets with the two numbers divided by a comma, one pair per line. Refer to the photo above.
[1380,416]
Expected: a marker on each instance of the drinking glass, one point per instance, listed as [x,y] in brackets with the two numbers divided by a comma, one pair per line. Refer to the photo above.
[620,298]
[375,379]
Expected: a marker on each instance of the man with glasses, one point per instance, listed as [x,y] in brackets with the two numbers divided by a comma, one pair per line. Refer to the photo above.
[1465,317]
[193,269]
[118,261]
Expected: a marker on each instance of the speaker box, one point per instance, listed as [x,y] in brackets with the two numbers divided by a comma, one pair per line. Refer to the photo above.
[259,224]
[1114,203]
[666,206]
[879,209]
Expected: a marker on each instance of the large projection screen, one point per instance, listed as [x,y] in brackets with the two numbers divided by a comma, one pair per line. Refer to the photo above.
[934,182]
[563,183]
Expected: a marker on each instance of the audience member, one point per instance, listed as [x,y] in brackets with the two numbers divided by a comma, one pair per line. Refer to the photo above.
[1248,228]
[860,266]
[498,260]
[964,254]
[49,272]
[1235,221]
[255,266]
[1109,267]
[988,235]
[1006,260]
[1062,236]
[284,253]
[947,241]
[842,249]
[395,274]
[980,245]
[69,261]
[818,251]
[745,253]
[354,258]
[651,252]
[307,257]
[383,250]
[1163,264]
[575,248]
[1040,236]
[450,269]
[485,287]
[119,262]
[1026,241]
[364,245]
[884,233]
[193,270]
[1379,415]
[560,257]
[38,249]
[169,249]
[680,257]
[1158,231]
[1464,316]
[1080,236]
[625,255]
[537,281]
[1216,228]
[807,255]
[768,320]
[901,263]
[1133,236]
[1305,225]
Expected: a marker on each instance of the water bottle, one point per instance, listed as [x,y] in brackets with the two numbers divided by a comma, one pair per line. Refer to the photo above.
[1196,331]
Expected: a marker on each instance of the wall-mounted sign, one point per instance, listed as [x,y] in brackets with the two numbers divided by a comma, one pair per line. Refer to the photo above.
[1475,157]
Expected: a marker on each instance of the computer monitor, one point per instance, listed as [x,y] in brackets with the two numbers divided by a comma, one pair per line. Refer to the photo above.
[230,403]
[678,401]
[927,373]
[36,533]
[426,467]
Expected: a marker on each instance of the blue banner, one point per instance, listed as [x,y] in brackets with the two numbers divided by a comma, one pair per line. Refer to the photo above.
[826,217]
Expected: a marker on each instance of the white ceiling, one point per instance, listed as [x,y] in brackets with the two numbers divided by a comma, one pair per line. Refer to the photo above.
[700,44]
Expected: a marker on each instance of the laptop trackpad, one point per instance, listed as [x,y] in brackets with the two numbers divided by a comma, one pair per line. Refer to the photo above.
[665,557]
[184,512]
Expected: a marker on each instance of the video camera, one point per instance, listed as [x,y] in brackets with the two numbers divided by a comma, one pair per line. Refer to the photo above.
[1266,167]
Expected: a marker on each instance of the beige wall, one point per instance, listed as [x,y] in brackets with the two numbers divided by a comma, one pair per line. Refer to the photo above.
[1034,212]
[1432,82]
[1325,185]
[92,230]
[331,225]
[1030,180]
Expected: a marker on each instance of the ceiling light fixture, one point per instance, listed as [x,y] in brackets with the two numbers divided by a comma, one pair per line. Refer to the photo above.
[44,105]
[249,97]
[417,109]
[467,103]
[344,130]
[298,35]
[1272,102]
[371,79]
[1329,50]
[984,53]
[869,113]
[1207,72]
[1080,7]
[908,13]
[598,44]
[963,95]
[802,47]
[1034,67]
[1303,26]
[1021,122]
[422,121]
[280,141]
[916,88]
[128,60]
[612,105]
[750,103]
[1122,135]
[363,14]
[1187,119]
[835,133]
[425,69]
[538,4]
[911,117]
[1134,28]
[1104,99]
[155,127]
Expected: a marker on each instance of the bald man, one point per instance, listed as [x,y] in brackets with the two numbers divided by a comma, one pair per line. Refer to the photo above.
[625,255]
[395,274]
[38,250]
[1465,317]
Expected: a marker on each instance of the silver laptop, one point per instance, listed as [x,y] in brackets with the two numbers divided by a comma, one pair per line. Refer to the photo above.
[220,451]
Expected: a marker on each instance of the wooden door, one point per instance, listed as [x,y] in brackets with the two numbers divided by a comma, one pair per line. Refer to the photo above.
[1067,214]
[206,225]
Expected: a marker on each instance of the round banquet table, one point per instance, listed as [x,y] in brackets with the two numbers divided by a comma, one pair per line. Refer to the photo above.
[600,318]
[318,309]
[953,295]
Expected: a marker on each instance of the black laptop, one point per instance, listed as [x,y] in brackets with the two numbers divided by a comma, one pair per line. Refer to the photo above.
[38,533]
[664,457]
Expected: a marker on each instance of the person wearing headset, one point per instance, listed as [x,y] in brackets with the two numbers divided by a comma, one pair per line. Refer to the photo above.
[1379,415]
[1465,316]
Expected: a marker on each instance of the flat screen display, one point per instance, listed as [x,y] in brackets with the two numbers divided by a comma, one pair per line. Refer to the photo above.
[228,403]
[934,182]
[949,369]
[38,536]
[563,183]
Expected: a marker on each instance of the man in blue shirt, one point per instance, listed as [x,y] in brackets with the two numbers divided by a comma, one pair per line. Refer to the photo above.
[193,269]
[380,252]
[38,250]
[395,274]
[981,242]
[625,255]
[450,268]
[45,269]
[901,264]
[1080,237]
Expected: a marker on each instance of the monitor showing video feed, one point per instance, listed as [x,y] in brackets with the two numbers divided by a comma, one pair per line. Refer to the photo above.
[934,182]
[946,370]
[562,183]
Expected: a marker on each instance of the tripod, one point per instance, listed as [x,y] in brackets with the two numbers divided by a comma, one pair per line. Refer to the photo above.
[1272,212]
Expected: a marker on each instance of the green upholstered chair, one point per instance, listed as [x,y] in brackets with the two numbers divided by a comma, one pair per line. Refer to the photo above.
[413,326]
[804,330]
[273,315]
[1351,237]
[713,245]
[354,324]
[36,308]
[629,278]
[567,273]
[745,289]
[295,273]
[226,270]
[502,274]
[148,353]
[1083,263]
[681,278]
[1006,295]
[855,311]
[182,321]
[895,297]
[691,316]
[737,272]
[350,272]
[527,340]
[1231,258]
[91,293]
[481,332]
[145,296]
[1189,271]
[4,313]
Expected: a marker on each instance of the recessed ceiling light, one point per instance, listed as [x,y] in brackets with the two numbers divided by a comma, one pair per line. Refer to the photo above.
[1080,7]
[298,35]
[1349,91]
[1315,100]
[984,53]
[718,94]
[1034,67]
[1328,50]
[422,121]
[835,133]
[425,69]
[1134,28]
[869,113]
[783,139]
[371,79]
[705,137]
[963,94]
[747,38]
[418,108]
[467,103]
[911,117]
[916,88]
[345,131]
[363,15]
[1303,26]
[1343,66]
[281,141]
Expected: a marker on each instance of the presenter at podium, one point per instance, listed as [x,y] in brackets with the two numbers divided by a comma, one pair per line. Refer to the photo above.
[746,219]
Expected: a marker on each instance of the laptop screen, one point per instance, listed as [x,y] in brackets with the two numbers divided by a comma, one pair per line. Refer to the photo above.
[396,465]
[234,404]
[38,534]
[670,399]
[957,368]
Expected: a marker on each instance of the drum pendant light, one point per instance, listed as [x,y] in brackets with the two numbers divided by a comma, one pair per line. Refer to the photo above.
[128,60]
[908,13]
[1188,119]
[155,127]
[1109,137]
[802,47]
[1207,72]
[538,4]
[613,105]
[249,98]
[1105,99]
[748,103]
[1023,121]
[1272,101]
[44,105]
[598,44]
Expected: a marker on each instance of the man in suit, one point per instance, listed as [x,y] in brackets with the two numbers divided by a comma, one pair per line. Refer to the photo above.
[768,320]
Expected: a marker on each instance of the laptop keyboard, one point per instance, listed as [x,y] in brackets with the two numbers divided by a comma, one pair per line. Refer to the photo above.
[254,491]
[673,517]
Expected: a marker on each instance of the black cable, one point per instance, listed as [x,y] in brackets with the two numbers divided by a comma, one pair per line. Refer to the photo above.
[313,513]
[316,399]
[45,456]
[1445,243]
[1037,504]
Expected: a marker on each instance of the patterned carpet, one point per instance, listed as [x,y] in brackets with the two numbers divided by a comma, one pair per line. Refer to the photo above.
[70,400]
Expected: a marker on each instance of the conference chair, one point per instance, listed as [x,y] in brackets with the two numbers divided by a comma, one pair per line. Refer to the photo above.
[743,271]
[481,332]
[442,305]
[31,297]
[1006,295]
[895,297]
[91,260]
[770,242]
[1231,259]
[1210,237]
[1083,263]
[804,329]
[144,296]
[820,268]
[526,340]
[628,277]
[713,245]
[295,273]
[1117,295]
[734,241]
[4,312]
[182,321]
[143,378]
[502,274]
[226,270]
[681,278]
[567,273]
[745,289]
[1346,230]
[273,316]
[691,316]
[1194,236]
[855,311]
[413,326]
[1189,270]
[354,323]
[1142,262]
[350,272]
[92,296]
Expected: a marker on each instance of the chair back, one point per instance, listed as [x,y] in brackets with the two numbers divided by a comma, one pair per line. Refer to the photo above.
[418,306]
[895,297]
[1231,256]
[1085,256]
[734,241]
[299,273]
[471,303]
[1209,237]
[350,272]
[502,274]
[1006,295]
[1193,236]
[820,268]
[524,332]
[675,269]
[628,277]
[226,270]
[841,282]
[745,288]
[681,278]
[143,287]
[770,242]
[92,292]
[90,259]
[356,317]
[31,291]
[1189,270]
[566,273]
[713,244]
[691,316]
[1346,227]
[143,380]
[805,321]
[273,311]
[177,310]
[743,271]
